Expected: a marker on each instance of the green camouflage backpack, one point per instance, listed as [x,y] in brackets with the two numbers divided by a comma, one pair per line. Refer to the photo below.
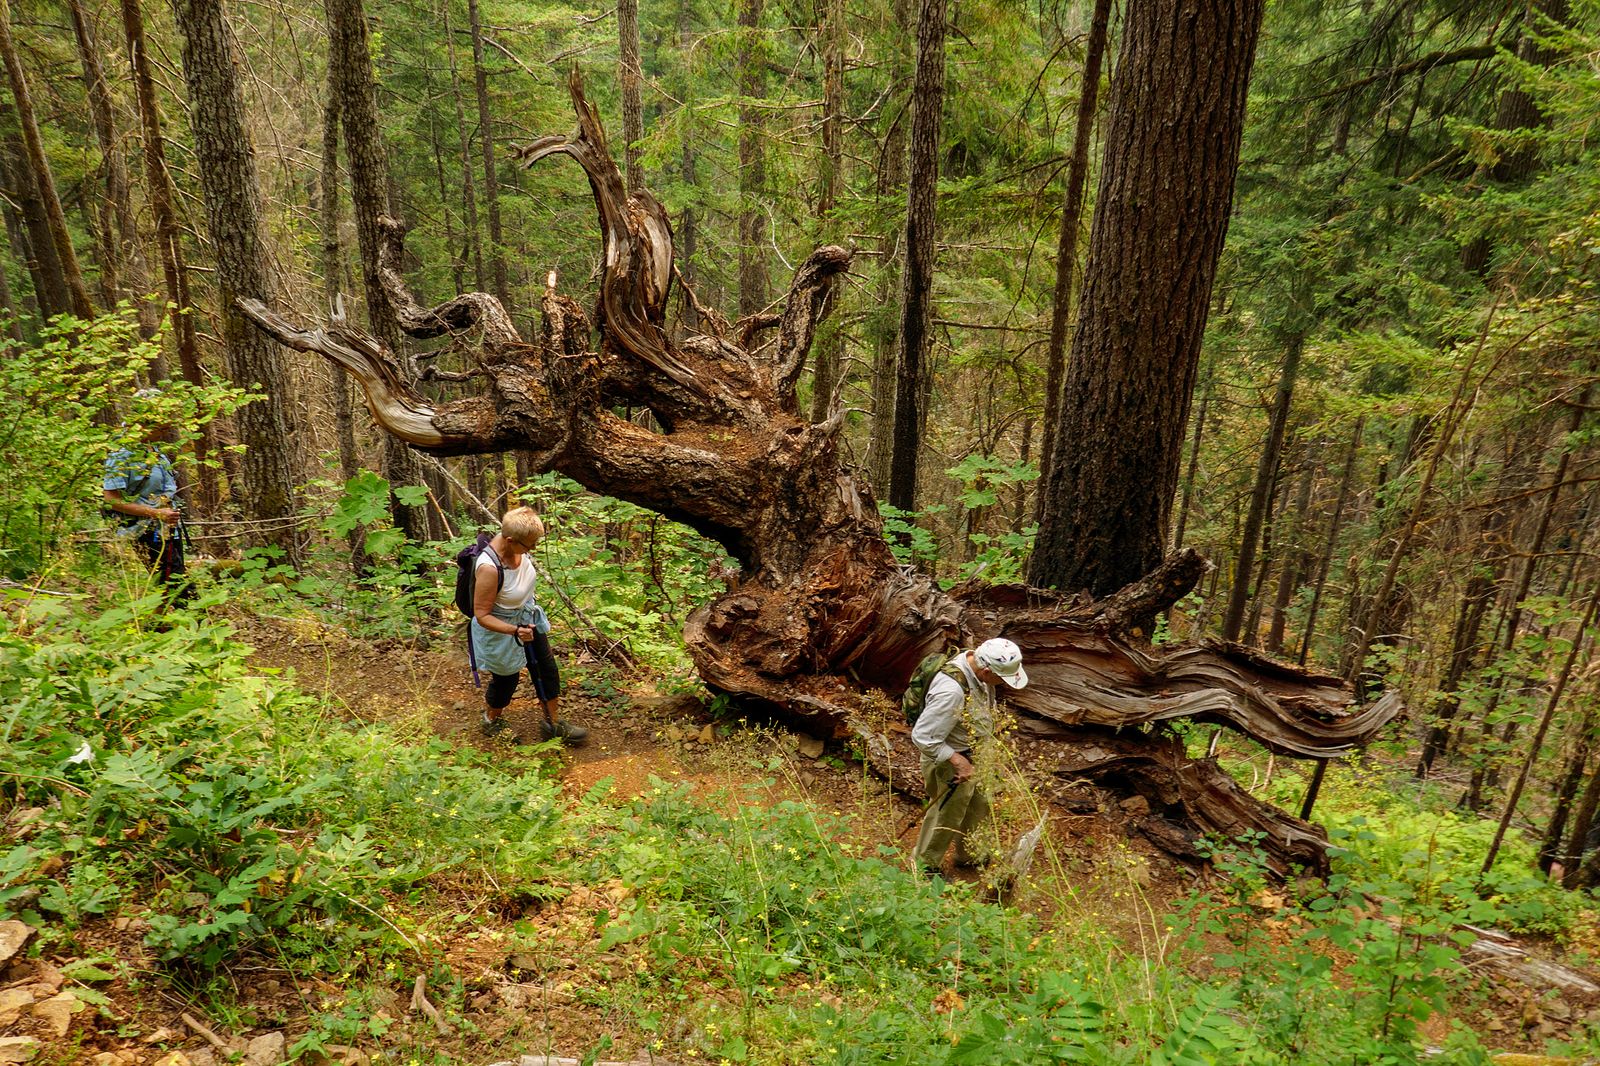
[917,690]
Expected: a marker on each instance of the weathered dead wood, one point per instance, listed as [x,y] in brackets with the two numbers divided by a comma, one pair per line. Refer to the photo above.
[822,622]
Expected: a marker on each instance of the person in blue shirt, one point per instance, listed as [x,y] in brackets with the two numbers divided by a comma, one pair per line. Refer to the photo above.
[141,488]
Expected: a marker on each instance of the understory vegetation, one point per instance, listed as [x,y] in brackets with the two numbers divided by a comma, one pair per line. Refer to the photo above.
[151,774]
[1390,460]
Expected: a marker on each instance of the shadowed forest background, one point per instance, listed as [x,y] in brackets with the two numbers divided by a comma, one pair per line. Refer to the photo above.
[1385,447]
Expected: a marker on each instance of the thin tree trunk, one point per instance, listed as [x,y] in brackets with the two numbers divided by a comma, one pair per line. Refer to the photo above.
[1577,874]
[1266,477]
[1561,812]
[753,280]
[9,308]
[332,270]
[921,244]
[1478,596]
[891,180]
[225,156]
[458,265]
[1539,734]
[1294,564]
[469,182]
[491,181]
[1452,418]
[1325,563]
[1194,461]
[830,347]
[1277,504]
[1481,775]
[44,268]
[688,228]
[126,261]
[44,182]
[161,195]
[629,75]
[1067,245]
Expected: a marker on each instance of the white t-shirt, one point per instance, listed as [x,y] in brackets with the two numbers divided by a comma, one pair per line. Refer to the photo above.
[518,588]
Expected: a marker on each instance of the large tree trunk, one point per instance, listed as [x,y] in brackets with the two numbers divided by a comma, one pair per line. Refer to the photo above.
[1067,245]
[921,249]
[1166,188]
[350,64]
[820,610]
[34,162]
[169,241]
[226,160]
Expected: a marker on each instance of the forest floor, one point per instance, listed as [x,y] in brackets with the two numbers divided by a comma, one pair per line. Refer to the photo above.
[521,1003]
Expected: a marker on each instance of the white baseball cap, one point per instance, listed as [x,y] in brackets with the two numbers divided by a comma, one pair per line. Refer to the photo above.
[1003,658]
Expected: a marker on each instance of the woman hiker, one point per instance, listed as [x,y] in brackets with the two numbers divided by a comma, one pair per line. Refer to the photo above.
[509,632]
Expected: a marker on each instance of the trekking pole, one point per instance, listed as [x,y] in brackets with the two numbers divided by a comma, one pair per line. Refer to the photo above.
[538,681]
[951,791]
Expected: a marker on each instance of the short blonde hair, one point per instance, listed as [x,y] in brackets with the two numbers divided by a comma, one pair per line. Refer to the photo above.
[522,525]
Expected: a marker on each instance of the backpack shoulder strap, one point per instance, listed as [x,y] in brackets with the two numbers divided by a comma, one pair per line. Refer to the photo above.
[499,568]
[955,673]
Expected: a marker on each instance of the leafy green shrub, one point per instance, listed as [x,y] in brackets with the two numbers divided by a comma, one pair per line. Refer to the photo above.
[158,759]
[633,574]
[56,439]
[1347,975]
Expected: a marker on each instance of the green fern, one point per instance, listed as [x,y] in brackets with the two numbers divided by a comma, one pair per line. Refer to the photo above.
[1205,1034]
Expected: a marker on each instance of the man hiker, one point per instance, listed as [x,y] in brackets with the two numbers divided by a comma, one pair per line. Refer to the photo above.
[957,715]
[141,489]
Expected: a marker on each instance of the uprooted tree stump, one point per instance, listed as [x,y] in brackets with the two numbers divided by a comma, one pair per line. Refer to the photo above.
[821,614]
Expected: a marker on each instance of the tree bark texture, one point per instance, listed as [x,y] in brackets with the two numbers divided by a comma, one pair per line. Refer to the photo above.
[1067,245]
[469,192]
[355,91]
[820,612]
[44,268]
[43,181]
[229,185]
[831,30]
[753,279]
[491,179]
[1166,188]
[886,336]
[161,195]
[921,251]
[126,262]
[629,76]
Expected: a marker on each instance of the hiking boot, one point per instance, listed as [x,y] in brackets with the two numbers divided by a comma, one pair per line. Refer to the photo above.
[499,727]
[564,731]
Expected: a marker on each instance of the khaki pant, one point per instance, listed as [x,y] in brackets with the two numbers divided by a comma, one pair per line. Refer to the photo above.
[957,816]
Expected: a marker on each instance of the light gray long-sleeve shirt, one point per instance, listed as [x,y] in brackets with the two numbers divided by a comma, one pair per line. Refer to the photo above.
[942,729]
